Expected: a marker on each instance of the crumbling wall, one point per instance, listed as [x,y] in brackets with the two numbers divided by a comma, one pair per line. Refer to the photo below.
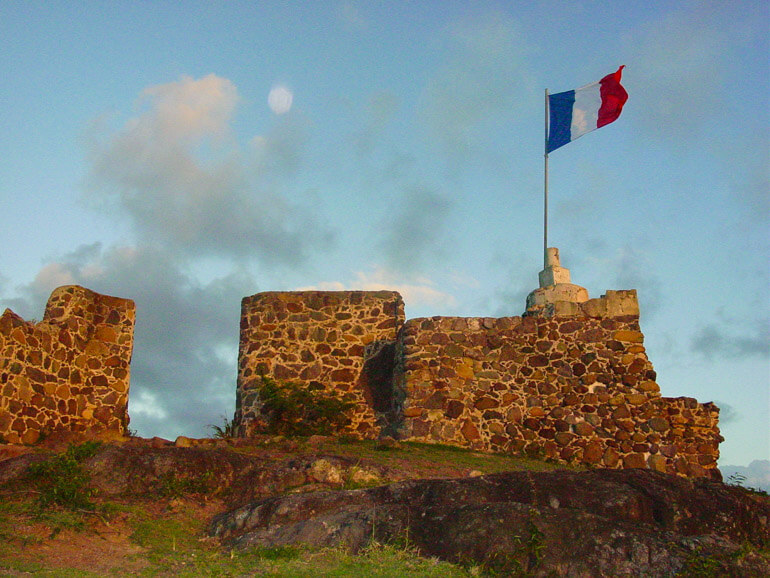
[319,338]
[573,387]
[70,371]
[568,381]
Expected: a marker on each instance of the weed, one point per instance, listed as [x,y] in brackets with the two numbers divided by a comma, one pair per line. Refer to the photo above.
[524,558]
[294,409]
[225,431]
[700,566]
[63,481]
[738,480]
[172,486]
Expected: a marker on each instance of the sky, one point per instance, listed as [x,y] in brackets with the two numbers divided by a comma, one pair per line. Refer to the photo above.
[186,155]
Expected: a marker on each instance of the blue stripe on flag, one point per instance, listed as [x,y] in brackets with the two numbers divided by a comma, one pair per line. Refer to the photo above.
[560,106]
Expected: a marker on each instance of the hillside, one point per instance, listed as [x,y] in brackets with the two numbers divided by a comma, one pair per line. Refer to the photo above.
[232,507]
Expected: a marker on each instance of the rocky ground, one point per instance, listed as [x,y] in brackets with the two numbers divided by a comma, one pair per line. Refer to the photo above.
[230,507]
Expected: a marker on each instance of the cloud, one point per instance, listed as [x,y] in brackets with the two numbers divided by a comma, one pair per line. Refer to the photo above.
[177,173]
[753,339]
[418,291]
[184,365]
[414,228]
[727,413]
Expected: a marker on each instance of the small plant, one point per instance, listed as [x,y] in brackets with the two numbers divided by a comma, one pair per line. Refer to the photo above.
[525,557]
[293,409]
[225,431]
[172,486]
[738,479]
[62,479]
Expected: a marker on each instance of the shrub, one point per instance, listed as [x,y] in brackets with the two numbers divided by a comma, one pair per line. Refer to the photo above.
[294,409]
[62,480]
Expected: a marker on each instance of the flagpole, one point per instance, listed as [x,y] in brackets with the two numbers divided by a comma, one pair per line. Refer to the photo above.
[545,188]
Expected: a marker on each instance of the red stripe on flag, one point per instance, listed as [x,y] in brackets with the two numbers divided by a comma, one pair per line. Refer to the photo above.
[614,96]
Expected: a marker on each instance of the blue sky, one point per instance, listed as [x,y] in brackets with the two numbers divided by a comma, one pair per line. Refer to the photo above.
[403,148]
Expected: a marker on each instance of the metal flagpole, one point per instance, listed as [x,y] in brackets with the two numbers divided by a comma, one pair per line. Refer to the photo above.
[545,189]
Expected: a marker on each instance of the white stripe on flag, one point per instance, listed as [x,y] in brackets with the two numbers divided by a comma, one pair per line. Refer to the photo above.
[585,111]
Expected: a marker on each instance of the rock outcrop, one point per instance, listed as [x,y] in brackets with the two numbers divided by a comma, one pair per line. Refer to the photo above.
[594,523]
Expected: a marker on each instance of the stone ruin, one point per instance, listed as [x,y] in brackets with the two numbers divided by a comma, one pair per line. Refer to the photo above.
[569,380]
[70,372]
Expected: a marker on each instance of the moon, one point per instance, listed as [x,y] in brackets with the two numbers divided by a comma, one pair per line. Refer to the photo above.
[279,99]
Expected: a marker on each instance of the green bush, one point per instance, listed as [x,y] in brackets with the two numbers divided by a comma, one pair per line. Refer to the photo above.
[63,481]
[294,409]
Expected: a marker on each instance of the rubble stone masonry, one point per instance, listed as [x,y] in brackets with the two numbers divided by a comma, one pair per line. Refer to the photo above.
[570,382]
[70,371]
[573,388]
[322,339]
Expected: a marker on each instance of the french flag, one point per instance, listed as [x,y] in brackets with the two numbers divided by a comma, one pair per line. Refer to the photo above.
[576,112]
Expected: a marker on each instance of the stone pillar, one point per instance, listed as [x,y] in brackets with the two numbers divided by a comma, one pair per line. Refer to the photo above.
[556,290]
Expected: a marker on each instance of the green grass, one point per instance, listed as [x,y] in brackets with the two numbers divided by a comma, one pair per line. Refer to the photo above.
[169,526]
[173,545]
[439,455]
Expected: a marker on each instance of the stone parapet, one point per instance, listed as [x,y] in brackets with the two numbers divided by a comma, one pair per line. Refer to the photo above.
[575,389]
[319,338]
[69,372]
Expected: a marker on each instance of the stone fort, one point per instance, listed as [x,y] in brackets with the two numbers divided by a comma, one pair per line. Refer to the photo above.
[568,380]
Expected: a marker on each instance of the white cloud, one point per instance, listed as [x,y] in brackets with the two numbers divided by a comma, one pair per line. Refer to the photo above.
[176,172]
[145,404]
[417,292]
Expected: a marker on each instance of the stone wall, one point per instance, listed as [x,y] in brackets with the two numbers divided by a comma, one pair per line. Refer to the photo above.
[70,371]
[571,387]
[567,381]
[319,338]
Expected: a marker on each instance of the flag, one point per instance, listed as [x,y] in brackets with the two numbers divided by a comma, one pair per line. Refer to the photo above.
[576,112]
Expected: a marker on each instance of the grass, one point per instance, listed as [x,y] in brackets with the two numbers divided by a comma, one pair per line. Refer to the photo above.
[438,455]
[163,534]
